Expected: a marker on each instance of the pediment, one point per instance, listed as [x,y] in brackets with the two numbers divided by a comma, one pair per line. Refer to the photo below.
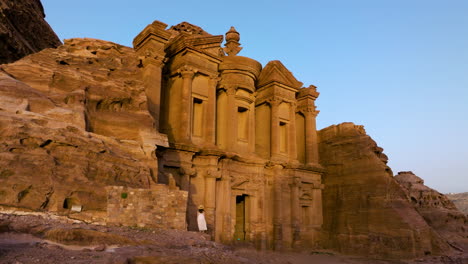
[275,71]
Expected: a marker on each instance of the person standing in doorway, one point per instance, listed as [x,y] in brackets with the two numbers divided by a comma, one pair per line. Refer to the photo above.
[201,219]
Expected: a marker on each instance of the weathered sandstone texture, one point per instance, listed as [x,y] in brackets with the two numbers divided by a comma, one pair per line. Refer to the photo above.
[460,200]
[23,30]
[83,132]
[74,120]
[158,207]
[365,210]
[241,140]
[438,211]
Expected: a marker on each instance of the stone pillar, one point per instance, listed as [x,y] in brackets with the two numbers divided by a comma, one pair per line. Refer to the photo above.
[311,148]
[186,104]
[149,45]
[188,174]
[278,209]
[232,117]
[210,127]
[152,79]
[317,206]
[210,196]
[295,210]
[275,135]
[306,101]
[223,232]
[292,133]
[252,127]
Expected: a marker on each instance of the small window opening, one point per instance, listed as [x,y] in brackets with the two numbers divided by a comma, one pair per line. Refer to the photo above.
[197,117]
[283,137]
[242,123]
[305,215]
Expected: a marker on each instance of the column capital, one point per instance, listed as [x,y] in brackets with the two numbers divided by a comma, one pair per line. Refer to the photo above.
[185,170]
[213,173]
[308,110]
[187,72]
[150,58]
[274,101]
[296,181]
[230,89]
[214,77]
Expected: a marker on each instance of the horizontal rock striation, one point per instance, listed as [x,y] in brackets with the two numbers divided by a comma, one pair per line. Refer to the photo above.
[365,210]
[72,121]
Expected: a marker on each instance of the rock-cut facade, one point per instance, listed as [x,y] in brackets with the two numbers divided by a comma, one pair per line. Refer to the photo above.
[242,138]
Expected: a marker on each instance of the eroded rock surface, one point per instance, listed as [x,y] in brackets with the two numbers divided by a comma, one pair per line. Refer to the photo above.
[72,121]
[460,200]
[438,211]
[365,210]
[23,30]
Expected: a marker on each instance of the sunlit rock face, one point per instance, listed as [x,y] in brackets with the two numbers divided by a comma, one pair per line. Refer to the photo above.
[365,210]
[84,126]
[23,29]
[72,121]
[438,211]
[460,200]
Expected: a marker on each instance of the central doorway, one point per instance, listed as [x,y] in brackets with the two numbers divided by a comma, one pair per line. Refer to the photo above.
[239,233]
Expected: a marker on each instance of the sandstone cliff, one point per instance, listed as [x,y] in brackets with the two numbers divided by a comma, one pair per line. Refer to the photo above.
[73,120]
[365,210]
[460,200]
[23,29]
[438,211]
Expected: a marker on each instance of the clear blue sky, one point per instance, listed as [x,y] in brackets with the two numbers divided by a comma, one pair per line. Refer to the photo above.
[398,67]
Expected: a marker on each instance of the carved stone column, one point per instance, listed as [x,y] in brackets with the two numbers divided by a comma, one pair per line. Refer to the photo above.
[232,117]
[306,101]
[186,103]
[152,79]
[275,133]
[311,136]
[210,128]
[210,195]
[188,173]
[149,45]
[292,133]
[223,231]
[295,209]
[278,209]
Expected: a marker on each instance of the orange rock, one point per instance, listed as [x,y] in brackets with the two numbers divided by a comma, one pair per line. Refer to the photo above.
[23,30]
[365,210]
[438,211]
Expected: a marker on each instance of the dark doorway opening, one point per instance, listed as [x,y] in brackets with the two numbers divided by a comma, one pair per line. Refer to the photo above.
[239,233]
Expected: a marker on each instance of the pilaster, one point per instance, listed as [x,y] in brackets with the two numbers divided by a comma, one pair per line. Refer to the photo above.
[187,75]
[275,135]
[306,105]
[149,45]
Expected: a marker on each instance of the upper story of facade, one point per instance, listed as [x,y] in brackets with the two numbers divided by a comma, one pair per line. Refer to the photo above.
[207,97]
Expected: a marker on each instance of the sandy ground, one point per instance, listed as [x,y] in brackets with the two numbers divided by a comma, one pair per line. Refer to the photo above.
[27,239]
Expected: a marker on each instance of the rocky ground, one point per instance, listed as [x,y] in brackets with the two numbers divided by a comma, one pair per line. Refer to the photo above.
[45,238]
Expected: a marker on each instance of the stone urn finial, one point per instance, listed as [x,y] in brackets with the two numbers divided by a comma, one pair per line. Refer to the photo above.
[232,42]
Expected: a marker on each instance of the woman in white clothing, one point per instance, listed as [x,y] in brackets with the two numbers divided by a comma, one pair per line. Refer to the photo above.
[201,219]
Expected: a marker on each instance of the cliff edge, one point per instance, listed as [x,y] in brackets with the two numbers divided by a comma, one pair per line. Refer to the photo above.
[366,212]
[23,29]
